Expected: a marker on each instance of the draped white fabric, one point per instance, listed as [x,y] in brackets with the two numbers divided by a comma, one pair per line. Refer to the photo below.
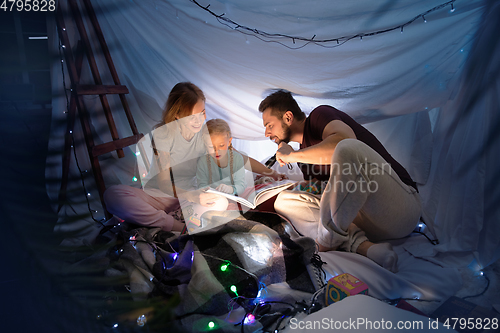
[427,90]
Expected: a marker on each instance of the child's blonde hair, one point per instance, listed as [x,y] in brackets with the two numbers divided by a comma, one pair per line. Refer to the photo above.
[220,126]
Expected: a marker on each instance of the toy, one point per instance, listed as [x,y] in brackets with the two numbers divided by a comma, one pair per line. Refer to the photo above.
[343,285]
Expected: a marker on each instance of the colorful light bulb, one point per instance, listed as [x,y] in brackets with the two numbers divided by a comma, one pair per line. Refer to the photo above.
[233,289]
[249,319]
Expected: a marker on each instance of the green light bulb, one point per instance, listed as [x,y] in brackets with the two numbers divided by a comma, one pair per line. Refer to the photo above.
[224,267]
[211,325]
[233,289]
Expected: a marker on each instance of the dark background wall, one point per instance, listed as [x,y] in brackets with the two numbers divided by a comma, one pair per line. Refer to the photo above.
[32,300]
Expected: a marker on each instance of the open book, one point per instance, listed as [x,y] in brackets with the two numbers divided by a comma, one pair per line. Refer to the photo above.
[254,196]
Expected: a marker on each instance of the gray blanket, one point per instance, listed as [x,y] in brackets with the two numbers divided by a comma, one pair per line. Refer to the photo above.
[220,270]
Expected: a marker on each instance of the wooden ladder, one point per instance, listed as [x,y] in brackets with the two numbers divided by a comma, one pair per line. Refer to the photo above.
[74,61]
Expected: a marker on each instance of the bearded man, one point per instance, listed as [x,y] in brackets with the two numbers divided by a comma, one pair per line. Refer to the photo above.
[364,195]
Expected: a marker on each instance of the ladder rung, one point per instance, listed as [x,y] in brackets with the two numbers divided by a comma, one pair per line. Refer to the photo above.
[107,147]
[87,89]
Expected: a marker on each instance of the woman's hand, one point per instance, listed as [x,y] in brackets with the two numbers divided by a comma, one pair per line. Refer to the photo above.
[276,175]
[208,199]
[225,189]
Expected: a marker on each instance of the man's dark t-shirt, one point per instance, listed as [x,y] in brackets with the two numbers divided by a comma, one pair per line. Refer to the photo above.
[313,130]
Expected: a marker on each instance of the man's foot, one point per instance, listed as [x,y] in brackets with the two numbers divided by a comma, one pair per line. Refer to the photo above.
[384,255]
[322,248]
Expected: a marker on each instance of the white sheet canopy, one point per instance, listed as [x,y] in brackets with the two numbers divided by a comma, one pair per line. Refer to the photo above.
[428,88]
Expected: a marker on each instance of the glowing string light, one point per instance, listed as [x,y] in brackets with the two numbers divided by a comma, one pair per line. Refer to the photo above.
[224,267]
[141,320]
[249,319]
[275,37]
[71,132]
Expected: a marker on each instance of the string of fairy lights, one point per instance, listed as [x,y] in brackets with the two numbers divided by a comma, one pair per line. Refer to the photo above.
[82,173]
[269,37]
[266,37]
[326,42]
[273,315]
[256,308]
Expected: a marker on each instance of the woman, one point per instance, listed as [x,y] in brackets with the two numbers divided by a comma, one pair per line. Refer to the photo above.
[178,141]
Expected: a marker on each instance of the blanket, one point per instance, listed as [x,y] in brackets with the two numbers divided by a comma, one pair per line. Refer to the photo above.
[221,274]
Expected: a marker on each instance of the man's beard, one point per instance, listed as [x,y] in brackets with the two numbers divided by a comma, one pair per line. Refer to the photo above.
[286,133]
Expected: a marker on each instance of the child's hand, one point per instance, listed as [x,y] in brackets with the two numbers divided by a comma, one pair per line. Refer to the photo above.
[225,188]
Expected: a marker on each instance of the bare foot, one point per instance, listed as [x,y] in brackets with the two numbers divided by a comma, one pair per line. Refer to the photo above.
[322,248]
[381,253]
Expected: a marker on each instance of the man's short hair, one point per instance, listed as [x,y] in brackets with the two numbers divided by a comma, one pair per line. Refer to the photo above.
[280,102]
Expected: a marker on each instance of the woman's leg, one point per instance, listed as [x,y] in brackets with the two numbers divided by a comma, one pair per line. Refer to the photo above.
[136,206]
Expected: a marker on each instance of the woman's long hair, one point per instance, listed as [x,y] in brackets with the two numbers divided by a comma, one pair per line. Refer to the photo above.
[180,102]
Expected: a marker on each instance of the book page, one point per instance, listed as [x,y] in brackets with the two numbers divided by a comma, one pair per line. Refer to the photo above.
[267,192]
[241,200]
[255,195]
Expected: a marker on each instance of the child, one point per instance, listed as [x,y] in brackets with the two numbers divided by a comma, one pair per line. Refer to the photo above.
[222,168]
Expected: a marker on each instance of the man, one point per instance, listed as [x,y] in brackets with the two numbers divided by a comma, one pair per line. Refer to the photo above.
[366,194]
